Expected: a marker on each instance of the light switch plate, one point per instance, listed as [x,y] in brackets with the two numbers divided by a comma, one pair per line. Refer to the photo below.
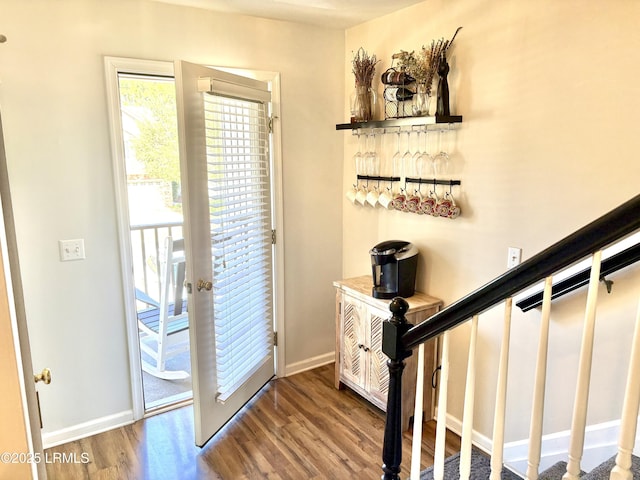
[71,249]
[514,256]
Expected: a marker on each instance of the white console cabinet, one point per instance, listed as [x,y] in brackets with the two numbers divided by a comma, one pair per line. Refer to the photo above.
[360,363]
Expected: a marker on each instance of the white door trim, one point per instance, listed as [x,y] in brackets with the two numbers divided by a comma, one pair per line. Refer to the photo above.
[113,66]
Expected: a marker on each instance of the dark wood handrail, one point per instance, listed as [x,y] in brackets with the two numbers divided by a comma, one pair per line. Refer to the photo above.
[610,265]
[612,226]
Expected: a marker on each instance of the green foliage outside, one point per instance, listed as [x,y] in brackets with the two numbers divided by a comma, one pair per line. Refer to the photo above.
[156,146]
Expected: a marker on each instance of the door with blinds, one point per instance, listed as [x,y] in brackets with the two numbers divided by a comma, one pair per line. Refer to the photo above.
[223,131]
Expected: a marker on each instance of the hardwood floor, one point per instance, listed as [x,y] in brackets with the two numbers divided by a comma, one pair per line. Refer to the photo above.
[299,427]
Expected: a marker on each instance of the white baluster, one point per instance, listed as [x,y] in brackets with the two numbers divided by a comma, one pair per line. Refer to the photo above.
[537,408]
[501,395]
[469,400]
[579,421]
[441,427]
[416,446]
[622,470]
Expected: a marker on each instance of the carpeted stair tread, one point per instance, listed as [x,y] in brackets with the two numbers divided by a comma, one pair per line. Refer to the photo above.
[556,471]
[602,471]
[480,468]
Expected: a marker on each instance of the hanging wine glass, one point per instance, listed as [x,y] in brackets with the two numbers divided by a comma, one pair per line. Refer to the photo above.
[383,158]
[376,156]
[441,159]
[416,155]
[396,161]
[424,160]
[406,157]
[371,155]
[357,157]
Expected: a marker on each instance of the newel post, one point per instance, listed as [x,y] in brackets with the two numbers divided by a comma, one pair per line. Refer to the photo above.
[392,332]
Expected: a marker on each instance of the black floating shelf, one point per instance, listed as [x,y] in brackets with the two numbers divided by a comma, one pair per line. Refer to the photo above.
[612,264]
[401,122]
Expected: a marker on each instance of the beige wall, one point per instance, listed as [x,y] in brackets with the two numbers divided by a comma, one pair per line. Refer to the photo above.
[549,94]
[53,100]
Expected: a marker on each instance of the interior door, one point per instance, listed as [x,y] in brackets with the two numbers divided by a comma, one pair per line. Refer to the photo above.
[225,164]
[19,394]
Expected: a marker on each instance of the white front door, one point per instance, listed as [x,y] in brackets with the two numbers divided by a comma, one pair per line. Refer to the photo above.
[225,162]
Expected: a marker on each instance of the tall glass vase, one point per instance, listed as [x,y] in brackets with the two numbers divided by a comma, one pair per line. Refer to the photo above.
[363,103]
[421,100]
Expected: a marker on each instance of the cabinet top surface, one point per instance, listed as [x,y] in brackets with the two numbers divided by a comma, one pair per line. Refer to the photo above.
[362,287]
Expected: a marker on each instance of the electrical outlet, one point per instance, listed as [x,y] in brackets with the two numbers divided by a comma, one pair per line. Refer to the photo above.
[71,249]
[514,256]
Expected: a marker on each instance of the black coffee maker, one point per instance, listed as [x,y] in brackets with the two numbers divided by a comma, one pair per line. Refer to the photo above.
[394,264]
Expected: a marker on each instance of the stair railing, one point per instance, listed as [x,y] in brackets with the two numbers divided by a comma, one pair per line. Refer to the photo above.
[400,338]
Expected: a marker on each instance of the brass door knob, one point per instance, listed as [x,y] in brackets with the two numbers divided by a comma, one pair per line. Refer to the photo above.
[204,285]
[44,376]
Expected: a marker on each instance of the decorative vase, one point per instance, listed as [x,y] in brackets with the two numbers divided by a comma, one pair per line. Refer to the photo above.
[421,100]
[363,103]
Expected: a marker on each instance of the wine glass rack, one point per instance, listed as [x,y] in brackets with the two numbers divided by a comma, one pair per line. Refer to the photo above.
[392,125]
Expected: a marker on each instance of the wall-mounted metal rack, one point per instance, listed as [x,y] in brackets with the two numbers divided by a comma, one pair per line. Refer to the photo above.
[433,181]
[378,179]
[424,181]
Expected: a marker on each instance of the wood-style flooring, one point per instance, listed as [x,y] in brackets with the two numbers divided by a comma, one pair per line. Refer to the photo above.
[299,427]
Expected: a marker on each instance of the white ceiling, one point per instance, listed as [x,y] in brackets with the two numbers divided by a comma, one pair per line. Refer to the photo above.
[339,14]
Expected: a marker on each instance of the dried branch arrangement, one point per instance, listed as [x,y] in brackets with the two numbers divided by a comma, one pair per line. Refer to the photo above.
[364,67]
[424,65]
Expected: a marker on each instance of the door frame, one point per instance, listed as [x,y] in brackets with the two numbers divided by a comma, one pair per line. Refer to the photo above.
[114,66]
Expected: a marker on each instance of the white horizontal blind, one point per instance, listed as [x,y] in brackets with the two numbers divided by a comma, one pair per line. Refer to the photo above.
[237,147]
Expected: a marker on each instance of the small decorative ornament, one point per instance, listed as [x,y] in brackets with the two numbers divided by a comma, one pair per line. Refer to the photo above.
[442,102]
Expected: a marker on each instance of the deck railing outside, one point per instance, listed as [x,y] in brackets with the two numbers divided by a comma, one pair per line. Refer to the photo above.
[147,240]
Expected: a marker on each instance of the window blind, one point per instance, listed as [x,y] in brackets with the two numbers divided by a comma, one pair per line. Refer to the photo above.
[238,169]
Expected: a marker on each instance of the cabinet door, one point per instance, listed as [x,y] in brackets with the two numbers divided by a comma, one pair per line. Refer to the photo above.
[378,375]
[353,361]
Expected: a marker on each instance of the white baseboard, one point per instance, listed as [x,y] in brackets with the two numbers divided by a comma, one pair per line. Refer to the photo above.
[480,441]
[600,444]
[87,429]
[309,363]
